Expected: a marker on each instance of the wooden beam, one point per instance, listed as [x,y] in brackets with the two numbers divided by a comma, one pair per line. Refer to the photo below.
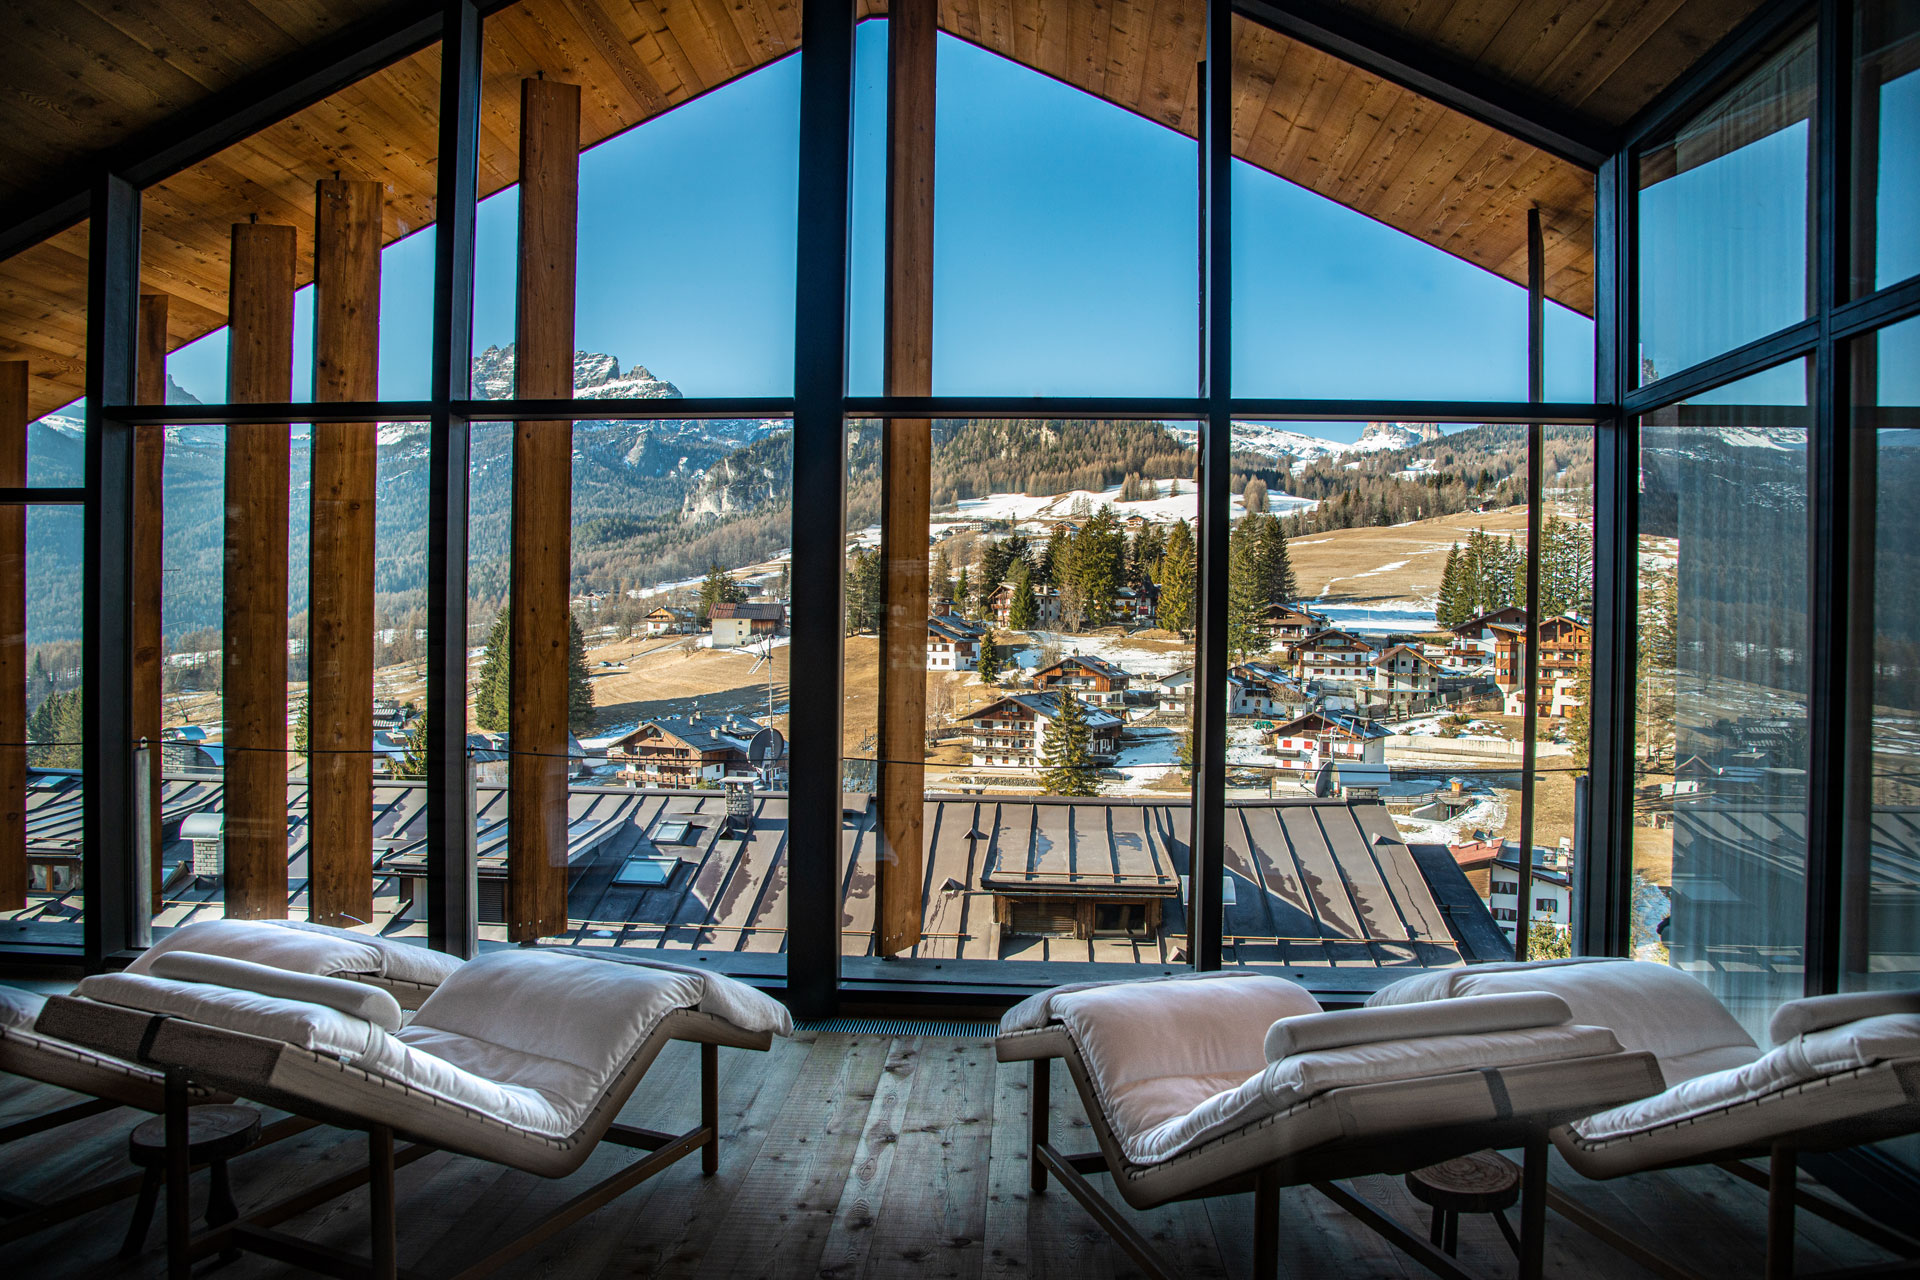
[254,606]
[149,559]
[13,640]
[539,622]
[346,363]
[906,465]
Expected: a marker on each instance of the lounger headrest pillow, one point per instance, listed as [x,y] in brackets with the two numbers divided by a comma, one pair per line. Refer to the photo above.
[1467,1015]
[355,998]
[1817,1013]
[19,1009]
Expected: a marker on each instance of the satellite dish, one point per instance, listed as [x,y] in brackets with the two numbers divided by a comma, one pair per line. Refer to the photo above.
[766,745]
[1326,781]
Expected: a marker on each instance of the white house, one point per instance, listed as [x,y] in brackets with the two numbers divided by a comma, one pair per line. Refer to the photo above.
[1308,741]
[1550,889]
[953,643]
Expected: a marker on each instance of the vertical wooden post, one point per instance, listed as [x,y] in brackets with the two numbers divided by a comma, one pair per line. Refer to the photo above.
[149,558]
[346,363]
[906,466]
[13,640]
[254,605]
[539,621]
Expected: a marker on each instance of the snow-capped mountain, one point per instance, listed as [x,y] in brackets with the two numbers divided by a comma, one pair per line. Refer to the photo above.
[596,376]
[1379,436]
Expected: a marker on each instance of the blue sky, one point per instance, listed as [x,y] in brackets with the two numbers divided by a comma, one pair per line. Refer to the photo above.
[1064,261]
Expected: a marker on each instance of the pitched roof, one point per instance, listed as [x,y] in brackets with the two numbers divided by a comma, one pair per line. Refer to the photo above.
[755,610]
[1048,705]
[1099,666]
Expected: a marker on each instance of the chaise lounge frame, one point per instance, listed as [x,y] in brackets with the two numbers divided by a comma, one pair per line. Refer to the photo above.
[1520,1114]
[193,1055]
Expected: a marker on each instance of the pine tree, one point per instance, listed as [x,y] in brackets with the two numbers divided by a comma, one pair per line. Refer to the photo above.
[717,588]
[989,659]
[1099,567]
[54,731]
[1177,578]
[1065,750]
[1246,603]
[865,587]
[1023,610]
[1450,611]
[414,763]
[963,595]
[940,578]
[300,724]
[579,686]
[1143,555]
[1046,566]
[1268,559]
[490,697]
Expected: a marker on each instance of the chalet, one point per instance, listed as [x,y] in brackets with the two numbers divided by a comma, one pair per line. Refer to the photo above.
[1478,634]
[738,624]
[1046,601]
[1308,741]
[953,643]
[681,752]
[1332,657]
[1550,889]
[1404,670]
[668,621]
[1285,624]
[1135,606]
[1092,680]
[1564,645]
[1256,689]
[1174,691]
[1013,731]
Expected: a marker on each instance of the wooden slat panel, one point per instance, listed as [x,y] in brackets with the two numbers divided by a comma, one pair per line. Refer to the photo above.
[346,359]
[254,607]
[907,465]
[149,558]
[542,513]
[13,640]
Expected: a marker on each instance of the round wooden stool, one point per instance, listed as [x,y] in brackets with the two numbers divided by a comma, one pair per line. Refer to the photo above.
[215,1134]
[1485,1182]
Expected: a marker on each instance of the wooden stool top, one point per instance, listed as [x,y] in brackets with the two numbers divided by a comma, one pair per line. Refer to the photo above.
[1479,1183]
[213,1133]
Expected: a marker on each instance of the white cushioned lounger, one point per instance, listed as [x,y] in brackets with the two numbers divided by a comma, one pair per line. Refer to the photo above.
[1843,1070]
[523,1058]
[1203,1085]
[409,973]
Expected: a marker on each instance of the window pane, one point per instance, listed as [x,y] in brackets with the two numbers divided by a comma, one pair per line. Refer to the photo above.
[1886,144]
[1881,918]
[1723,219]
[1721,708]
[43,322]
[56,888]
[1059,665]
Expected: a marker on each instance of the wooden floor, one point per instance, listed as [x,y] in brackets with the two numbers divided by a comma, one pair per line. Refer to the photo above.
[845,1156]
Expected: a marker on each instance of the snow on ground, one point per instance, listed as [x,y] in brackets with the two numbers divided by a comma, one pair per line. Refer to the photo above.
[1164,509]
[1146,756]
[1385,568]
[1368,620]
[1488,813]
[1118,650]
[1247,748]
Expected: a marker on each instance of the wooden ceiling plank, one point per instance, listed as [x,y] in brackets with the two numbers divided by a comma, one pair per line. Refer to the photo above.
[669,47]
[212,55]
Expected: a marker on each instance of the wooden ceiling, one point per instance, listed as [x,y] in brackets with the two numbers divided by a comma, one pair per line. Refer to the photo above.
[88,75]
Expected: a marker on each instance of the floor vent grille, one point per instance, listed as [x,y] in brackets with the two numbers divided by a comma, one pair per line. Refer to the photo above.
[900,1027]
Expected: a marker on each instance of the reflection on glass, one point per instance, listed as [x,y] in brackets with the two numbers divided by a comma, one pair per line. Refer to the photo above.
[1881,920]
[56,886]
[1886,143]
[1720,711]
[1723,219]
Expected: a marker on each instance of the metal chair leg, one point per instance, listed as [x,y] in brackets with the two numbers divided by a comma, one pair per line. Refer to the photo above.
[1533,1207]
[179,1168]
[1037,1122]
[710,1107]
[1266,1225]
[1782,1177]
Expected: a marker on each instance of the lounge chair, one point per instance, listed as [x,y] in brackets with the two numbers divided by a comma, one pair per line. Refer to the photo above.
[523,1058]
[1843,1070]
[408,972]
[1220,1083]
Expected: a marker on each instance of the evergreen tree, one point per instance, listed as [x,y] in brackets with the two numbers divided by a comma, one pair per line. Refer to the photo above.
[1143,555]
[490,699]
[1451,609]
[1246,602]
[940,577]
[414,763]
[1177,577]
[717,588]
[1046,565]
[1580,719]
[300,724]
[963,595]
[1065,751]
[989,659]
[579,687]
[1023,610]
[1268,560]
[1099,567]
[865,591]
[54,731]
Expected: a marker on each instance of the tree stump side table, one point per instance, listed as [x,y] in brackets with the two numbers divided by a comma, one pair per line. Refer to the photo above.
[215,1134]
[1485,1182]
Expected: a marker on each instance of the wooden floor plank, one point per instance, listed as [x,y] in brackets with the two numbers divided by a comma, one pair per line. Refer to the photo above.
[864,1156]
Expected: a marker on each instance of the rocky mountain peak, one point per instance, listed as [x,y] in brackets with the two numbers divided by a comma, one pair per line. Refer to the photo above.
[596,375]
[1397,435]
